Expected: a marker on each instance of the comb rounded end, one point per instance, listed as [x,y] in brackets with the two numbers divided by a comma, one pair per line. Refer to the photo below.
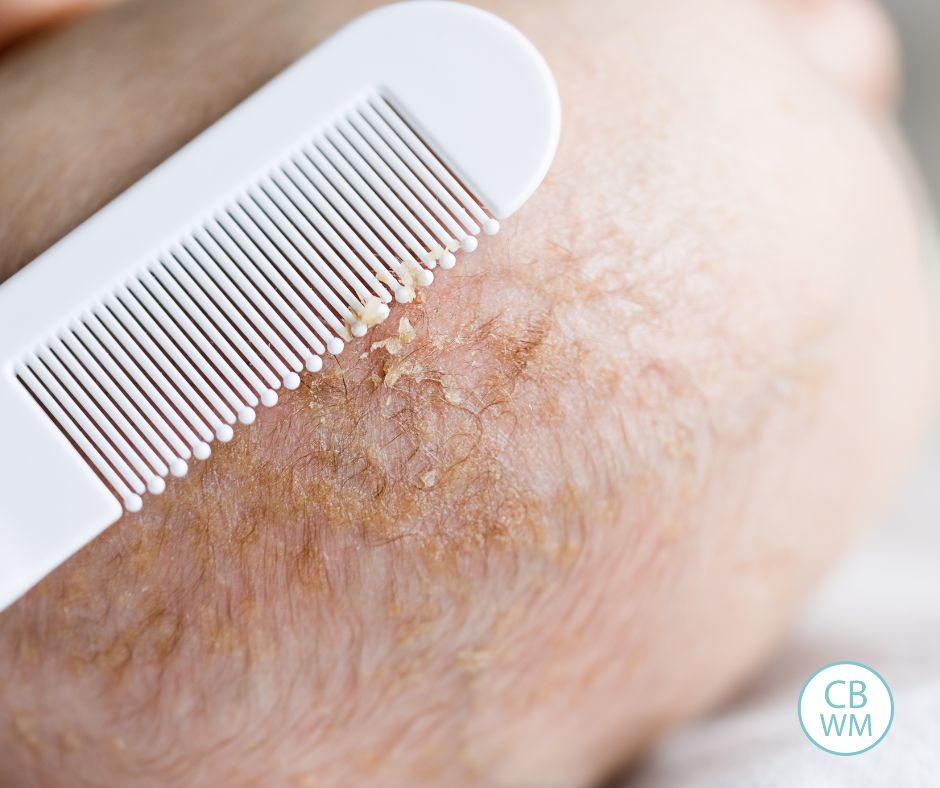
[291,380]
[313,363]
[179,468]
[133,503]
[501,161]
[156,485]
[246,415]
[224,433]
[201,450]
[269,398]
[335,346]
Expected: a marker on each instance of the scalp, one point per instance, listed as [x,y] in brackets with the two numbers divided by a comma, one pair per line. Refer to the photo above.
[507,532]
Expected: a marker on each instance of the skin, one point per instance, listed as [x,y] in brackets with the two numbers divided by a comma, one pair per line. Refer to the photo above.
[582,501]
[19,18]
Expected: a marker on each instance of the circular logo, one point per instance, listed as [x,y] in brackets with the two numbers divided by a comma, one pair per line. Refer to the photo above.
[845,708]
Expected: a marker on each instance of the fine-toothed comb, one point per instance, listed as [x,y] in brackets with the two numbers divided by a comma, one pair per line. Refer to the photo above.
[285,228]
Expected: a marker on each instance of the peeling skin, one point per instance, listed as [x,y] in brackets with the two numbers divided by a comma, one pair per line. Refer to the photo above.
[371,312]
[386,278]
[408,272]
[474,660]
[406,332]
[440,422]
[408,287]
[451,389]
[399,368]
[611,451]
[394,369]
[393,345]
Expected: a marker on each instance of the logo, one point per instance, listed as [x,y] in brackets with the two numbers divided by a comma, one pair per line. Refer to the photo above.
[845,708]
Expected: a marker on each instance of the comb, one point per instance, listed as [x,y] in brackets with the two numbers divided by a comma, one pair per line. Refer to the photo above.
[165,320]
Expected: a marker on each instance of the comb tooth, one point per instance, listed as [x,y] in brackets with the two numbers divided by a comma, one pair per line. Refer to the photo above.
[369,146]
[145,461]
[396,154]
[294,261]
[208,423]
[340,256]
[426,175]
[281,319]
[306,238]
[206,376]
[201,307]
[278,234]
[273,277]
[237,392]
[459,220]
[242,314]
[358,191]
[105,352]
[144,417]
[155,384]
[132,500]
[247,256]
[391,265]
[250,302]
[339,137]
[133,485]
[260,230]
[343,158]
[94,423]
[183,355]
[391,240]
[430,160]
[350,243]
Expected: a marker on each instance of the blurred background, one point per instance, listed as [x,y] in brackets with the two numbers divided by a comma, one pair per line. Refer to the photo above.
[880,607]
[919,24]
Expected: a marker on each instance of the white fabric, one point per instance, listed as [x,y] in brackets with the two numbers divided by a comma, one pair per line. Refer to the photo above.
[882,608]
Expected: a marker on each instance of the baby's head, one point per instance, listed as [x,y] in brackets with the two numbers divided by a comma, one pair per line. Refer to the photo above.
[570,498]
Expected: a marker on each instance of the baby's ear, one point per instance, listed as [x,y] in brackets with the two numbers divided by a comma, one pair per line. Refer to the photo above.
[853,43]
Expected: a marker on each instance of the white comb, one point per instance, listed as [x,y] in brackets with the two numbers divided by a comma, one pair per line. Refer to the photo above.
[289,225]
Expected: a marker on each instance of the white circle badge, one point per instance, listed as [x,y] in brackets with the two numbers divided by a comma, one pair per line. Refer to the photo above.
[846,708]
